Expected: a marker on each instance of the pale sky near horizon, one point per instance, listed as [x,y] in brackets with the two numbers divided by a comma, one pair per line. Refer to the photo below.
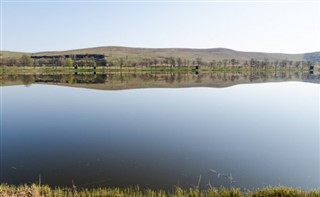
[286,27]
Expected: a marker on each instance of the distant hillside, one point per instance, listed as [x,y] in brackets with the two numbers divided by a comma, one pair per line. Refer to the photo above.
[136,54]
[312,56]
[11,54]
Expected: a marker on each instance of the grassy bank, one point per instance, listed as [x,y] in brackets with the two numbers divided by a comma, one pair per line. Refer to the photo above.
[35,190]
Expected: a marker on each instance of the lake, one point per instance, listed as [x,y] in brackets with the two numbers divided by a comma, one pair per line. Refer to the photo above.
[116,129]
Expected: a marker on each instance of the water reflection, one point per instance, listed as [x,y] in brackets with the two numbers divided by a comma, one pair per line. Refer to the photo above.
[122,80]
[247,135]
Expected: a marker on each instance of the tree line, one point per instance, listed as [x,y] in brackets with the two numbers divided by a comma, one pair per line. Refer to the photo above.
[25,61]
[171,62]
[166,62]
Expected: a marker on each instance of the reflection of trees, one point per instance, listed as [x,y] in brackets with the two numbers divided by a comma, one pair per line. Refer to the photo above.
[172,79]
[283,75]
[219,76]
[224,78]
[234,77]
[212,76]
[27,80]
[57,78]
[70,79]
[198,78]
[179,78]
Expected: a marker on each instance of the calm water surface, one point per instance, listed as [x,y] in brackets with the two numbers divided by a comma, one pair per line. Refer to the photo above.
[262,134]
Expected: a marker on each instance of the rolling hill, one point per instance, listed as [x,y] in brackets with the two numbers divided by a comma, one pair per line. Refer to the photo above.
[136,54]
[7,54]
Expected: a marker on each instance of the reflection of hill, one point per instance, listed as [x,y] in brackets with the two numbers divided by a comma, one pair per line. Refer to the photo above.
[311,78]
[118,81]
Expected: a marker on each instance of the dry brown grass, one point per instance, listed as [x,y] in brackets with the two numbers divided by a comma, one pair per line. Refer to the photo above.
[43,190]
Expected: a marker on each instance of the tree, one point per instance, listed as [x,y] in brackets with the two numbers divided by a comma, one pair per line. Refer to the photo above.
[69,62]
[10,62]
[233,62]
[213,64]
[184,62]
[179,62]
[245,64]
[60,62]
[252,62]
[199,61]
[121,62]
[219,64]
[134,64]
[155,62]
[25,60]
[283,63]
[266,63]
[276,63]
[225,63]
[172,61]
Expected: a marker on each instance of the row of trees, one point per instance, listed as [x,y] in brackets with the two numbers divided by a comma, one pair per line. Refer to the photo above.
[26,60]
[213,64]
[170,62]
[164,61]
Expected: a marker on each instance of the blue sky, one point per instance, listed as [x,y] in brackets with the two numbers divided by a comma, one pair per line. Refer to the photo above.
[267,27]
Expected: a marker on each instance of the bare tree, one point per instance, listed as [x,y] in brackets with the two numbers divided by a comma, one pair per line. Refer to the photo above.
[213,64]
[25,60]
[199,61]
[172,62]
[179,62]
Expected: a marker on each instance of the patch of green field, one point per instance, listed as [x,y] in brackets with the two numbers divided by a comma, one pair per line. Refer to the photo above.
[43,190]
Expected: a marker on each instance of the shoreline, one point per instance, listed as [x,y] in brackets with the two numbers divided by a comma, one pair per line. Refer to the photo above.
[68,70]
